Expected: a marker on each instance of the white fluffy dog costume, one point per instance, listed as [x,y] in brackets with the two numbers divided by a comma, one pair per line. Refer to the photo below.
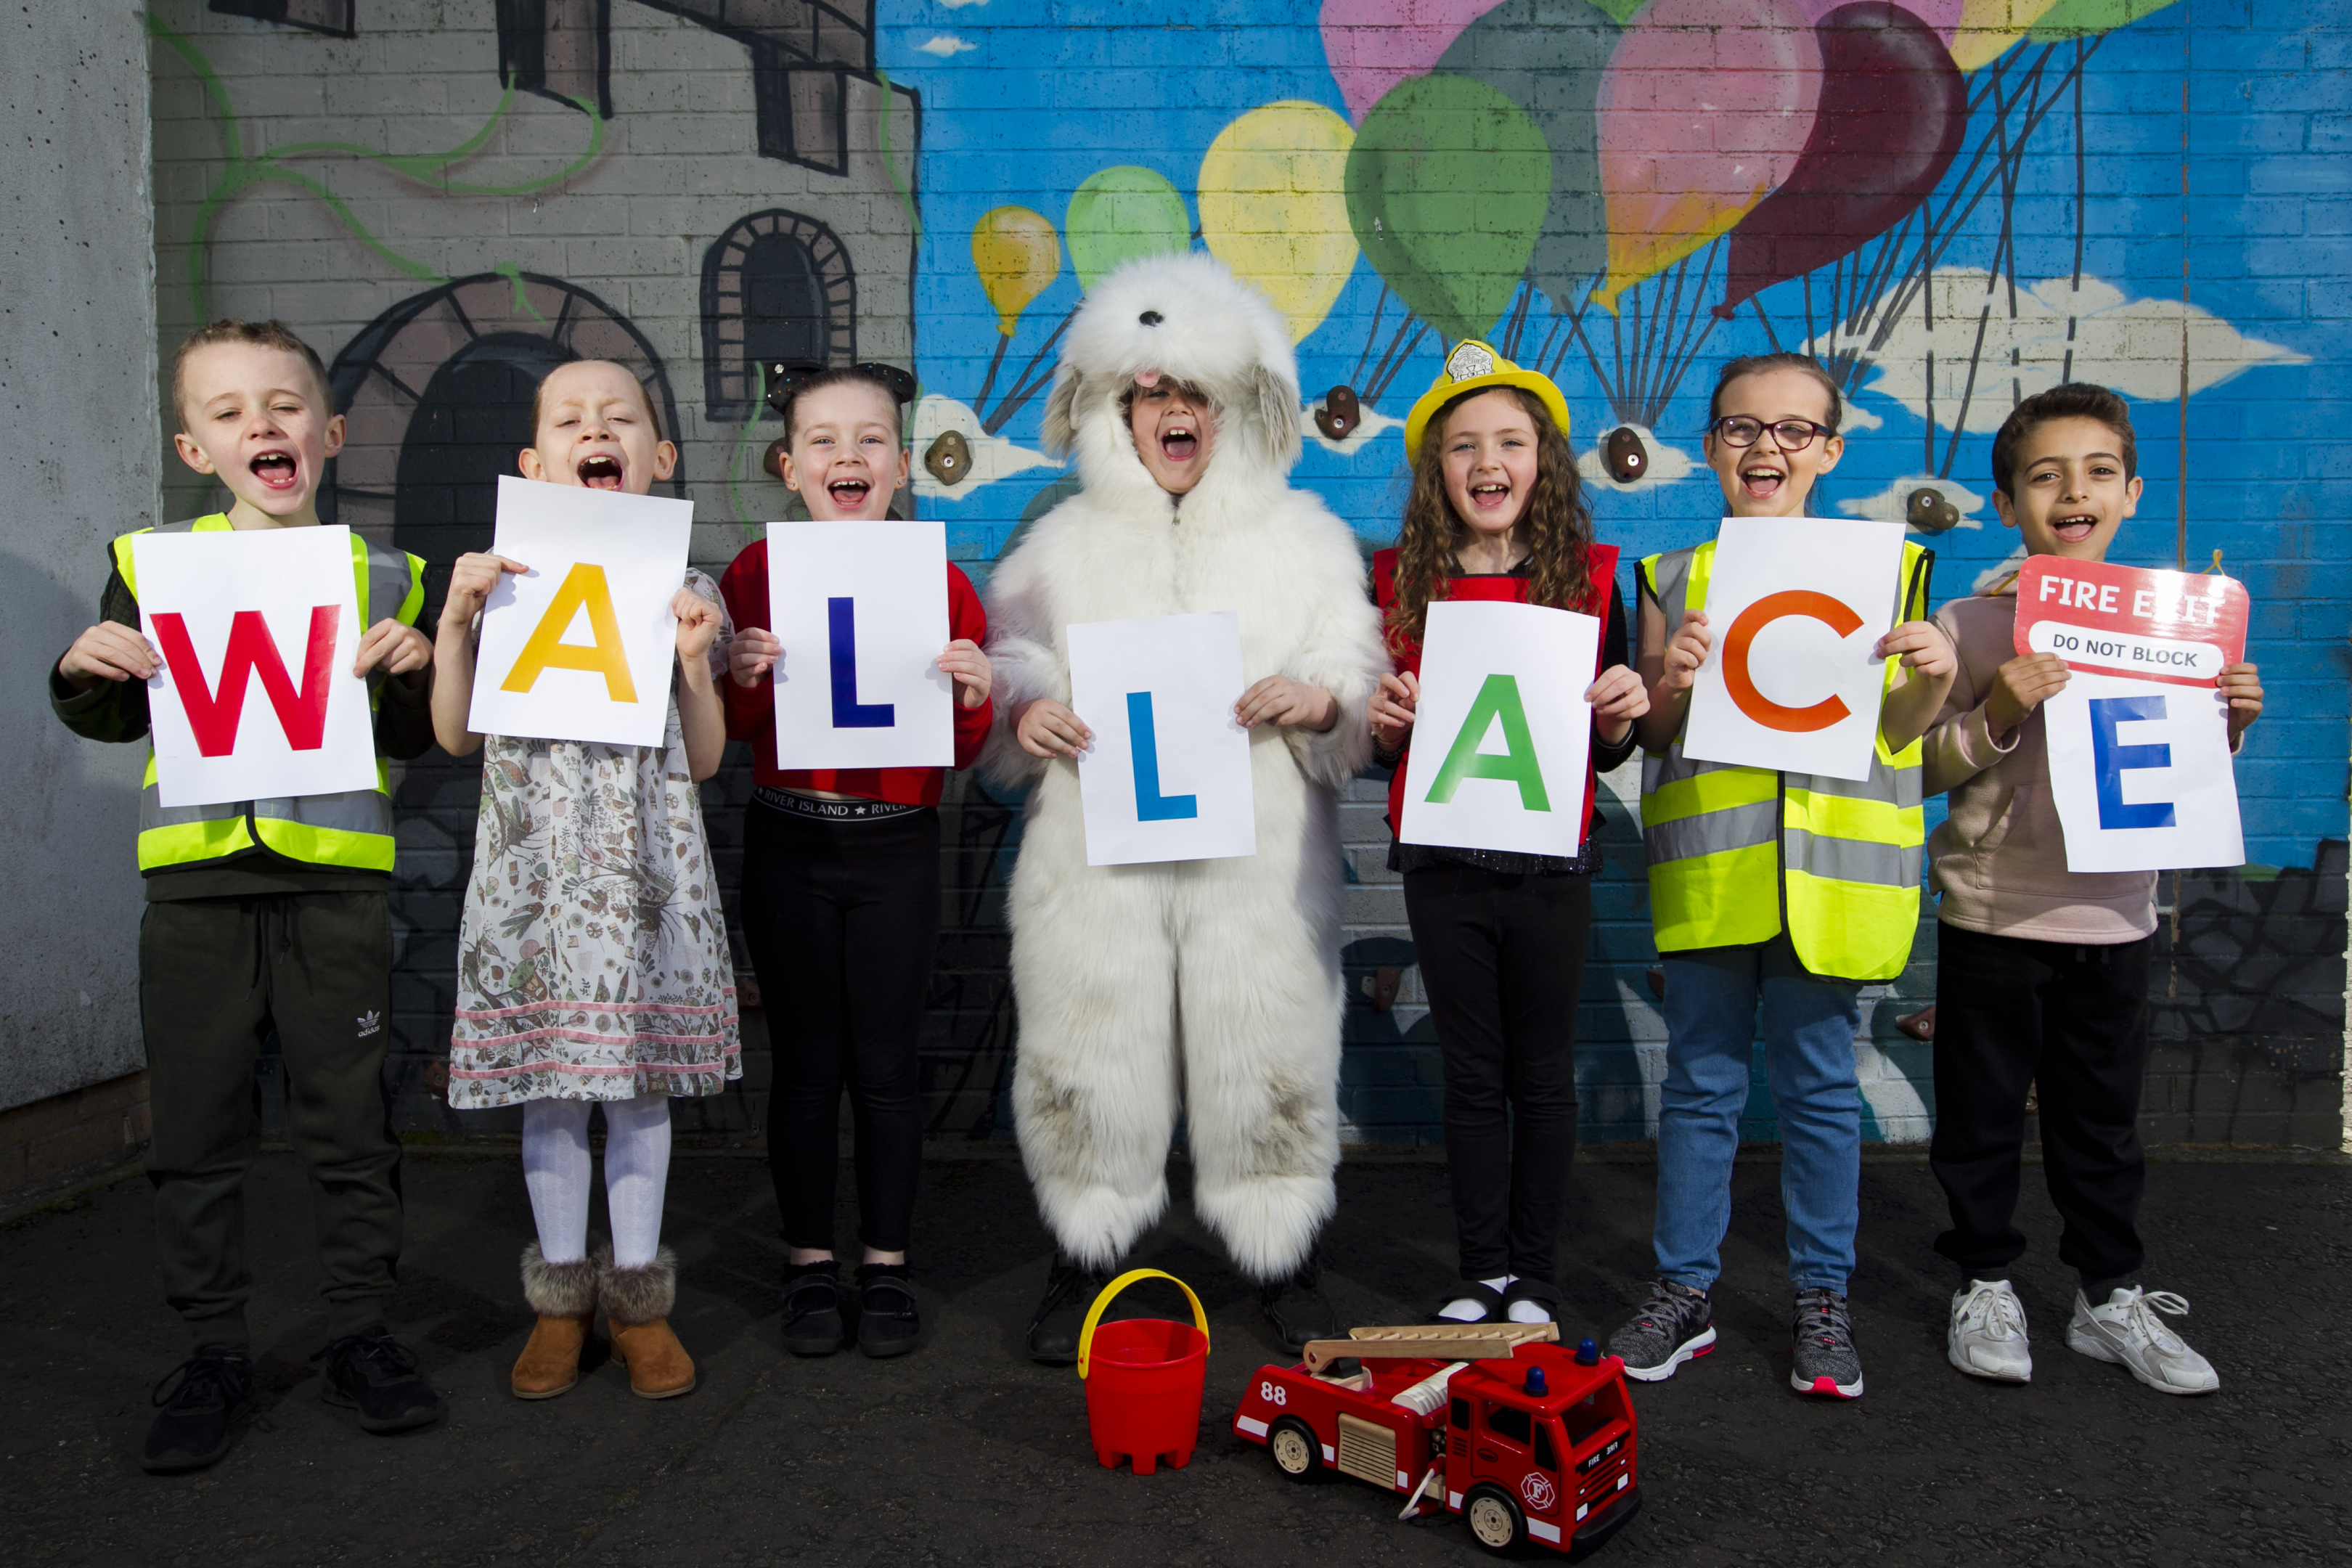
[1212,984]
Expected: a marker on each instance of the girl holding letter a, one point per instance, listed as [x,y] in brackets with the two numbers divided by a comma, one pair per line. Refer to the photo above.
[1782,890]
[1497,513]
[593,965]
[841,890]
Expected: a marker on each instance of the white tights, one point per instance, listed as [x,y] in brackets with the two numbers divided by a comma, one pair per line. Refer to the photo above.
[555,1168]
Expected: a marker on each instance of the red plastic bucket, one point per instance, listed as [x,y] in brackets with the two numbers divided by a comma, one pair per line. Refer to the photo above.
[1143,1378]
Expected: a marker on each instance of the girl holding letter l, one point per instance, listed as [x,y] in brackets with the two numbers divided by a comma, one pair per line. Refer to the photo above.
[840,889]
[593,964]
[1497,513]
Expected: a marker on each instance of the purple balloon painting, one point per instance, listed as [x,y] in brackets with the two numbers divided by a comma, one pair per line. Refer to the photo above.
[1893,110]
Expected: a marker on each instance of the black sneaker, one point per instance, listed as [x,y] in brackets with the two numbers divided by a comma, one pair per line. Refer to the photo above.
[376,1377]
[1826,1362]
[886,1323]
[812,1321]
[1070,1290]
[1675,1325]
[199,1400]
[1297,1308]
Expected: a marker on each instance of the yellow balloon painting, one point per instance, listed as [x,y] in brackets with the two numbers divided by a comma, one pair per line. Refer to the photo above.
[1017,255]
[1273,206]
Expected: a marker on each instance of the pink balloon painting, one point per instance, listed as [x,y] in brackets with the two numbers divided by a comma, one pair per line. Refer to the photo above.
[1705,109]
[1372,47]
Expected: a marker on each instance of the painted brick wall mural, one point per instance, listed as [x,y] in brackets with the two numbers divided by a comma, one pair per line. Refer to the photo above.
[1954,202]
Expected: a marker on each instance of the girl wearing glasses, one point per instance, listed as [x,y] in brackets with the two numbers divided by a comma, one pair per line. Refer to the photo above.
[1783,892]
[840,889]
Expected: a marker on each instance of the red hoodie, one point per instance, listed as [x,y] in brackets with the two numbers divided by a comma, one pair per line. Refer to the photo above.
[751,710]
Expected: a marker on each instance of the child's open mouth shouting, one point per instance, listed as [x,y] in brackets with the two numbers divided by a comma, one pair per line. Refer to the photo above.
[278,469]
[603,471]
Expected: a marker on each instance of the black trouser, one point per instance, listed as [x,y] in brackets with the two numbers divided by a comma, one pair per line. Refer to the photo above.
[215,975]
[841,919]
[2073,1022]
[1503,957]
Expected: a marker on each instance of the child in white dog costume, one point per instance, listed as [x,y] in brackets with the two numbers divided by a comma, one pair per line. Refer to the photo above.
[1212,984]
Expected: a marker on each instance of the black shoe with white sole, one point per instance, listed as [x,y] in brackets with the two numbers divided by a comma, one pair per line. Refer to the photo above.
[196,1405]
[1675,1325]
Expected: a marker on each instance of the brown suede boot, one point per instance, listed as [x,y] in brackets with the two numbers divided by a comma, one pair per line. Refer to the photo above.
[564,1297]
[637,1303]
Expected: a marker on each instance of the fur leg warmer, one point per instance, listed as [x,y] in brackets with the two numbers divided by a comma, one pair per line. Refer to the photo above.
[636,1294]
[558,1289]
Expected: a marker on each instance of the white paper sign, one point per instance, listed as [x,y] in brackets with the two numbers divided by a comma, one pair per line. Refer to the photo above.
[1795,604]
[258,630]
[581,647]
[1502,730]
[2140,773]
[862,611]
[1168,776]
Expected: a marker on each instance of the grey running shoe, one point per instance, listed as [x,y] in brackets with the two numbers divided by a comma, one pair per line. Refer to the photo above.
[1827,1362]
[1674,1326]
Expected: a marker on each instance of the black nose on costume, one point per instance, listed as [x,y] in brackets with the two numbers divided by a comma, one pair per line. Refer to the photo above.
[1149,318]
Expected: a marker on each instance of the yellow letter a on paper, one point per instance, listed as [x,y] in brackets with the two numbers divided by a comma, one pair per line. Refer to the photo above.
[545,650]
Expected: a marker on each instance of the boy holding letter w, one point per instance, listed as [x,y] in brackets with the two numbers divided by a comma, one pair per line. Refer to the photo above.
[2043,973]
[264,914]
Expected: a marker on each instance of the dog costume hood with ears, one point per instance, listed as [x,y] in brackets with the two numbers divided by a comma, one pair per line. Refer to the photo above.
[1112,965]
[1191,320]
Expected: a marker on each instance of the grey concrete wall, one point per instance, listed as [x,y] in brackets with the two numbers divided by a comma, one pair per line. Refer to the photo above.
[78,385]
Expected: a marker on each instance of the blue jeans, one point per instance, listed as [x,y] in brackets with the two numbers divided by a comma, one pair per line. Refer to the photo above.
[1809,1031]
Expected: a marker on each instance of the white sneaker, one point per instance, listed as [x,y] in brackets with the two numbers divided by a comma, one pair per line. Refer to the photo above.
[2127,1330]
[1986,1338]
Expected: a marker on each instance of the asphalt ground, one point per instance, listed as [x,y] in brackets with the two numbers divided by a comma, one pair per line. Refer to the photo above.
[964,1452]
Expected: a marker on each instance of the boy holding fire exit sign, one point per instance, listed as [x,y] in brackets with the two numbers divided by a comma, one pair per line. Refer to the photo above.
[2042,963]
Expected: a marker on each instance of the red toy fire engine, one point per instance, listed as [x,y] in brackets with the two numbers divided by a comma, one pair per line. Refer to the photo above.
[1524,1438]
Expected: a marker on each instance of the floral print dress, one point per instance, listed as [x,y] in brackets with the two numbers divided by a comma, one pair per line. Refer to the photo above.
[593,962]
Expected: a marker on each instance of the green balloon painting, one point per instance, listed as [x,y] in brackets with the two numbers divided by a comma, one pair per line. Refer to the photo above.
[1120,214]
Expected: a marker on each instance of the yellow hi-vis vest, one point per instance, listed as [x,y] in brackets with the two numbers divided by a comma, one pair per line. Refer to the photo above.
[353,828]
[1738,854]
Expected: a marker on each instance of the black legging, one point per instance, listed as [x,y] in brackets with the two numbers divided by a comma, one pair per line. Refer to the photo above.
[842,920]
[1503,957]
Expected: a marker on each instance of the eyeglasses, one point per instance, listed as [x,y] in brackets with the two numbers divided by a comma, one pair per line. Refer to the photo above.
[785,380]
[1788,434]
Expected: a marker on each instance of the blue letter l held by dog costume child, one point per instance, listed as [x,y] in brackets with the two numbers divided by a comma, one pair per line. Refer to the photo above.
[1143,746]
[849,713]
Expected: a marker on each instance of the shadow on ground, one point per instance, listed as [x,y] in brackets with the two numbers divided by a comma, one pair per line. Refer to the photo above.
[964,1453]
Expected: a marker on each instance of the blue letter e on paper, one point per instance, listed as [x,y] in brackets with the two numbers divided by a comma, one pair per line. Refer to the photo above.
[1143,746]
[2110,761]
[849,713]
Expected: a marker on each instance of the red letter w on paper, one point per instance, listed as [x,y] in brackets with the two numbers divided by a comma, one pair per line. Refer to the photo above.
[213,717]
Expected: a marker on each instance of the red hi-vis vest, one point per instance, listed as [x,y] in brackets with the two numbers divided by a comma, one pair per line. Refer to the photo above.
[350,830]
[1602,562]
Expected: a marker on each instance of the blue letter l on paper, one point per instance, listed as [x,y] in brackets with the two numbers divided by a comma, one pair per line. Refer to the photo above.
[1150,805]
[849,713]
[2111,762]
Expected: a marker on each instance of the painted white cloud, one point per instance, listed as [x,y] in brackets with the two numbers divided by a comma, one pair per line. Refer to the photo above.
[959,4]
[1893,503]
[946,45]
[1368,426]
[2131,345]
[1857,418]
[992,457]
[1667,464]
[2006,567]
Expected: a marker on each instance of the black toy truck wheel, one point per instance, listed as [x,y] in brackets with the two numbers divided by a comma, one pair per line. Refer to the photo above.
[1296,1452]
[1495,1520]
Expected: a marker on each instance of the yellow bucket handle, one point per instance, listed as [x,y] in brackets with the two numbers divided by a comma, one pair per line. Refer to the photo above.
[1094,1312]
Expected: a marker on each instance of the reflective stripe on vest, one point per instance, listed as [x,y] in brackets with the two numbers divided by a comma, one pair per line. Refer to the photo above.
[1732,848]
[352,829]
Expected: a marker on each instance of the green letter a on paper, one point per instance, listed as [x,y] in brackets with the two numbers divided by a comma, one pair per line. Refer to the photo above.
[1498,699]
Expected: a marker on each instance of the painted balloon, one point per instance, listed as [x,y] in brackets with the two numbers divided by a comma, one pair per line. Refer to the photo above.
[1893,110]
[1988,28]
[1548,57]
[1705,109]
[1273,206]
[1942,16]
[1016,253]
[1120,214]
[1371,49]
[2086,19]
[1447,184]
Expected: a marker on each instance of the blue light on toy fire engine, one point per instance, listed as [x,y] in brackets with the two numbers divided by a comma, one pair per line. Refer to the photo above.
[1587,1354]
[1536,1382]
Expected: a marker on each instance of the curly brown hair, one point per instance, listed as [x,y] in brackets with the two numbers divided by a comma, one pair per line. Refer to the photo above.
[1558,526]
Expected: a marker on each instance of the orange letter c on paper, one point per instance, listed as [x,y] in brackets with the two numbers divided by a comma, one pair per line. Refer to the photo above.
[545,650]
[1834,613]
